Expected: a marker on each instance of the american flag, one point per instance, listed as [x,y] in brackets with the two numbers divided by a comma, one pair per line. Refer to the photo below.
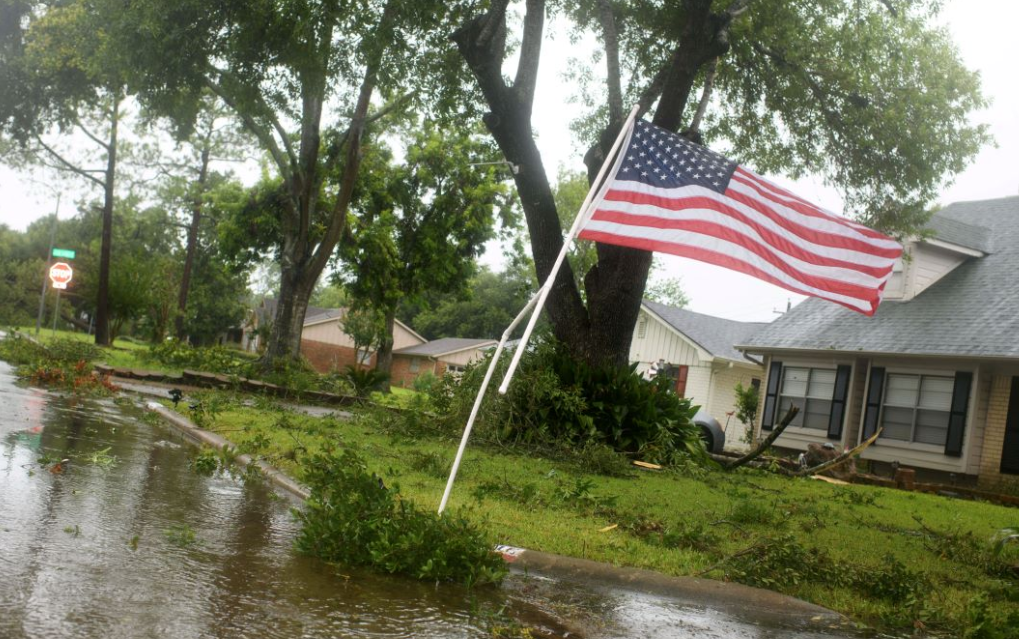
[671,195]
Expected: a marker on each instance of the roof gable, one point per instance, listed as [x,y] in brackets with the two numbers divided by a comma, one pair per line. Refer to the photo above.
[715,336]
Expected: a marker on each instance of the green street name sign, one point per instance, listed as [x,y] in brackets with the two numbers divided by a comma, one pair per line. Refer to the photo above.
[66,253]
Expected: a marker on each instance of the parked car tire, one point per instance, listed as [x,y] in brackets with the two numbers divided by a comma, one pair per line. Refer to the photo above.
[710,430]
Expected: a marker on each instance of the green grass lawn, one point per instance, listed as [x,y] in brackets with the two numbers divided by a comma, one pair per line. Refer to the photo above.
[888,559]
[124,353]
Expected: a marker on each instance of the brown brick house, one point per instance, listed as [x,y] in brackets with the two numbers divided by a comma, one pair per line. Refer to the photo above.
[446,355]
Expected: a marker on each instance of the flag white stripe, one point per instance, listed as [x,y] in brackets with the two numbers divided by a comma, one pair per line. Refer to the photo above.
[829,252]
[711,243]
[788,195]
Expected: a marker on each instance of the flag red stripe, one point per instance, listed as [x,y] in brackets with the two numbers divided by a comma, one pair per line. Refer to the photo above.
[720,259]
[767,235]
[749,179]
[830,284]
[782,214]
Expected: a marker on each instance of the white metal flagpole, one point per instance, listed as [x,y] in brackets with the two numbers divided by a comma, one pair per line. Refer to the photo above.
[596,187]
[481,396]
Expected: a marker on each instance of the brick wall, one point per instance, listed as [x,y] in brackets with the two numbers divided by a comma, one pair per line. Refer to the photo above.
[994,433]
[401,374]
[326,358]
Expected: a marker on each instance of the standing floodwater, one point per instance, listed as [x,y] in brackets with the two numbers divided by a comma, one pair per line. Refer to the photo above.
[126,540]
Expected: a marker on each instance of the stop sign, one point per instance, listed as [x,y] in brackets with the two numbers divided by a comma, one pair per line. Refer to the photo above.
[60,274]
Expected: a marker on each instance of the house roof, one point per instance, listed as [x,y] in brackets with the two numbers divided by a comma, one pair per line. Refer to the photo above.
[715,335]
[973,311]
[445,346]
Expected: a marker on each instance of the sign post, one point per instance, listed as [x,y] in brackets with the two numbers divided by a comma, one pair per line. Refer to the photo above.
[42,294]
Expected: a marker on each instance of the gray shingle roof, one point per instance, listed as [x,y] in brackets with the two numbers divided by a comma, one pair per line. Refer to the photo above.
[444,345]
[715,335]
[316,314]
[958,232]
[973,311]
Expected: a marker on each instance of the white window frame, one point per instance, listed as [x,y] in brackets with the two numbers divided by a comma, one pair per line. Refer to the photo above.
[799,422]
[916,407]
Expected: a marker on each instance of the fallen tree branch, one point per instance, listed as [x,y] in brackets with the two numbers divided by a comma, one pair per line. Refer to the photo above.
[841,459]
[763,446]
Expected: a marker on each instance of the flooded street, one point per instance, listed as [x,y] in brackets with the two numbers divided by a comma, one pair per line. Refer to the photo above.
[127,540]
[106,531]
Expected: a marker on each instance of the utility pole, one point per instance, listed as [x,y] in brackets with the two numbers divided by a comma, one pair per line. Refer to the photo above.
[49,259]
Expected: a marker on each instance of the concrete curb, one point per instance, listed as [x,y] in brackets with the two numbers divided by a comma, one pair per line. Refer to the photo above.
[201,436]
[735,599]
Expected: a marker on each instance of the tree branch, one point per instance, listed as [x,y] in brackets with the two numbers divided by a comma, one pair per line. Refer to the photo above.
[263,134]
[70,167]
[91,135]
[709,81]
[763,446]
[841,459]
[738,7]
[611,36]
[530,53]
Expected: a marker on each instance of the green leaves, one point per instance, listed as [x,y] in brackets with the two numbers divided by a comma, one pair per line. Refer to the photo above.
[353,519]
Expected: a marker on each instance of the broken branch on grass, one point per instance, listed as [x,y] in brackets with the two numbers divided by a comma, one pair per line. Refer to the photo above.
[763,446]
[841,459]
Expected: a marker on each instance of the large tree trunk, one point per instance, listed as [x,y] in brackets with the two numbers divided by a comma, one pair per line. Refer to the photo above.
[296,286]
[192,248]
[103,298]
[384,356]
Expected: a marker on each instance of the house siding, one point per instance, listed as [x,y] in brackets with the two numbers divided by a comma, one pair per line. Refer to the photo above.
[462,358]
[723,400]
[331,332]
[929,264]
[994,432]
[661,342]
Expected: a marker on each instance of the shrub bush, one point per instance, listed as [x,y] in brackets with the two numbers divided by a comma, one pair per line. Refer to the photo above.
[211,359]
[352,519]
[364,380]
[555,399]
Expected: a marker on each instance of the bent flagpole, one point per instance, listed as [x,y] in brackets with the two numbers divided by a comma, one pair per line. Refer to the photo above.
[536,303]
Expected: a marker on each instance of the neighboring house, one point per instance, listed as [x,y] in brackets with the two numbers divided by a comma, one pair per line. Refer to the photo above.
[937,367]
[446,355]
[698,352]
[328,348]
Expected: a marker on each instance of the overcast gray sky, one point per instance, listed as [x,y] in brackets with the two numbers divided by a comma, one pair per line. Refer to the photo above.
[986,45]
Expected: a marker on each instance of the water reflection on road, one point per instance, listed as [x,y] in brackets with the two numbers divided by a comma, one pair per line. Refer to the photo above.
[100,545]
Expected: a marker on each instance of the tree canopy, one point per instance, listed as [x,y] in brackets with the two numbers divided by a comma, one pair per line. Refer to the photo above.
[866,93]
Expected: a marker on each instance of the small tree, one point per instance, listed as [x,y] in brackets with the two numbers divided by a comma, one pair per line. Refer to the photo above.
[747,400]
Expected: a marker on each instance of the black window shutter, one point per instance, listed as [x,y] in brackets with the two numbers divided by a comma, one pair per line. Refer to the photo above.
[957,418]
[838,402]
[874,393]
[771,396]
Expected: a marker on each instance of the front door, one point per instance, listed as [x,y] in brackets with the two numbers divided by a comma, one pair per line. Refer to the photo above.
[1010,449]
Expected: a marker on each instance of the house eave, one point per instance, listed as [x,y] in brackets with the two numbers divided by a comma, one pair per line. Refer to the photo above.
[769,350]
